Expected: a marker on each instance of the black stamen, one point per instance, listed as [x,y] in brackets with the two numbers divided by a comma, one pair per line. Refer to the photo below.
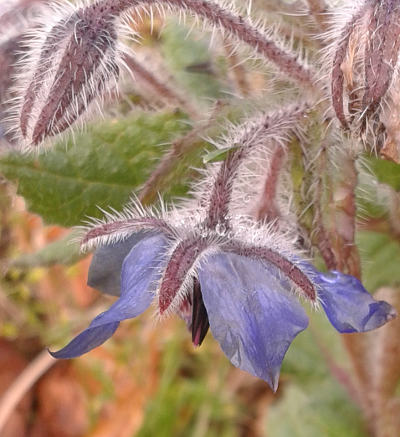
[200,323]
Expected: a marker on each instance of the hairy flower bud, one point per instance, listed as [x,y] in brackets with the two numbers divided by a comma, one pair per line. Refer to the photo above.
[15,18]
[365,67]
[73,63]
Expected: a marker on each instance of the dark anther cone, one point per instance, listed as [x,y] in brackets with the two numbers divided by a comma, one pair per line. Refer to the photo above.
[200,323]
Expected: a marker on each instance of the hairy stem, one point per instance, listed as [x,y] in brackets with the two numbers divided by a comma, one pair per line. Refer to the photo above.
[268,209]
[231,23]
[254,133]
[322,236]
[349,261]
[346,210]
[318,10]
[176,274]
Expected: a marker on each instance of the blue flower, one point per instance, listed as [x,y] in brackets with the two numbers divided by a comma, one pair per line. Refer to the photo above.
[218,267]
[245,295]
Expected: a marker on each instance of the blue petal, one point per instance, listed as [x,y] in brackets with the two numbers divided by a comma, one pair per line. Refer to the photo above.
[140,273]
[349,306]
[87,340]
[105,268]
[252,316]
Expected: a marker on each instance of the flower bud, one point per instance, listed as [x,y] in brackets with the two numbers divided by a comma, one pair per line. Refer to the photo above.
[365,68]
[74,62]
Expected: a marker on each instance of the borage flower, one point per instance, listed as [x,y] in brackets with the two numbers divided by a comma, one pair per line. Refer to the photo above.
[244,292]
[220,270]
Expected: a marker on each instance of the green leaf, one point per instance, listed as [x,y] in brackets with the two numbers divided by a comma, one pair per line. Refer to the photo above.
[387,172]
[304,362]
[63,251]
[188,58]
[321,409]
[381,259]
[217,155]
[100,169]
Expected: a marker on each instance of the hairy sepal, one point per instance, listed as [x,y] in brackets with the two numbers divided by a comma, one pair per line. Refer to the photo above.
[72,59]
[116,226]
[288,268]
[177,280]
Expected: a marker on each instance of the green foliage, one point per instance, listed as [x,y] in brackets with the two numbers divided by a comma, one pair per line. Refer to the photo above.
[189,60]
[186,403]
[63,251]
[313,403]
[304,361]
[387,172]
[369,205]
[381,256]
[99,169]
[218,154]
[318,410]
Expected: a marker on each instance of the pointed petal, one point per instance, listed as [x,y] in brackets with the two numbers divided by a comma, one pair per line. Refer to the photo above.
[252,316]
[139,276]
[105,268]
[349,306]
[86,341]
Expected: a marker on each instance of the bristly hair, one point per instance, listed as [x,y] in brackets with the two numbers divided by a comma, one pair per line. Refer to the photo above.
[233,177]
[72,60]
[118,225]
[363,58]
[226,17]
[193,236]
[211,210]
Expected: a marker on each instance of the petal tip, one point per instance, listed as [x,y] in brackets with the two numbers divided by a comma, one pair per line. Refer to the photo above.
[349,306]
[272,378]
[53,354]
[60,354]
[392,314]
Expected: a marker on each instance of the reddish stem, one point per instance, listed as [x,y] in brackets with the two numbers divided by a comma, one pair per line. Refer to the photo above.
[234,24]
[268,209]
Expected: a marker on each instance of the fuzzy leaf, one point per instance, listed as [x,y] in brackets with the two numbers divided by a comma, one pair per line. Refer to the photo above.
[381,259]
[63,251]
[387,172]
[101,168]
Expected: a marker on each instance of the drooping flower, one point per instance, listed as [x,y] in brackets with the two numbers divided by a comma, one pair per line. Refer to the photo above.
[244,292]
[221,270]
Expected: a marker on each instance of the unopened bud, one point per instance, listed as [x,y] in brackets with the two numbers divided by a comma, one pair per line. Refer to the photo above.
[74,63]
[365,68]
